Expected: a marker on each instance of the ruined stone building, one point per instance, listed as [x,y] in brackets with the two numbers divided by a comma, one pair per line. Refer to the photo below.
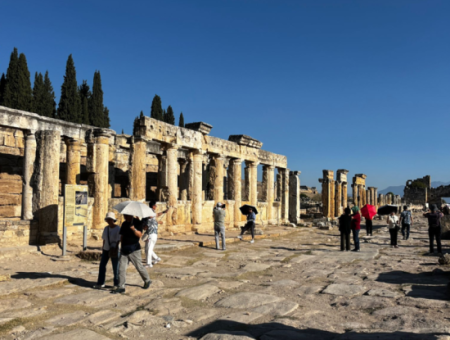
[182,168]
[419,191]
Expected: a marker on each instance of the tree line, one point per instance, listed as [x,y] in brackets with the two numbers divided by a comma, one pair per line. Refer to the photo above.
[157,112]
[77,104]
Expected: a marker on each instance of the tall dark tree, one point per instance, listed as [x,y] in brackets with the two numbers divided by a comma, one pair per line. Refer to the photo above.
[106,123]
[85,95]
[12,81]
[181,120]
[25,95]
[49,103]
[2,88]
[169,117]
[69,107]
[156,111]
[38,93]
[96,109]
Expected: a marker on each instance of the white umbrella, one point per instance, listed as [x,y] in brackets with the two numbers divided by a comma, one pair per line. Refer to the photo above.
[134,208]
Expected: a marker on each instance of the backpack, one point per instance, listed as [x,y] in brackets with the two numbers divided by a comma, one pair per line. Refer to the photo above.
[406,217]
[434,220]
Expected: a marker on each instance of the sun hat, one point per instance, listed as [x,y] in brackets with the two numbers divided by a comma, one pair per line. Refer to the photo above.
[111,216]
[219,205]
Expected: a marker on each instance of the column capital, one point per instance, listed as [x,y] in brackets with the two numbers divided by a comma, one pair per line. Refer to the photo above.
[103,133]
[251,164]
[236,161]
[268,167]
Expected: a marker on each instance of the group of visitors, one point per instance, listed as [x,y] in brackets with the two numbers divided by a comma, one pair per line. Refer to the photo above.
[351,223]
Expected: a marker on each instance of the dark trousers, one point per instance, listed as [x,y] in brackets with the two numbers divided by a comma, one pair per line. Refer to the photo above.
[394,233]
[102,269]
[251,226]
[435,232]
[345,241]
[356,238]
[405,230]
[369,227]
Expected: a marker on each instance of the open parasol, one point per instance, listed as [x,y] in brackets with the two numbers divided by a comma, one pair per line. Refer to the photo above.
[244,209]
[368,211]
[134,208]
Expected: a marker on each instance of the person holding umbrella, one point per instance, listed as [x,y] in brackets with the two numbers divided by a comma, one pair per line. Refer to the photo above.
[434,228]
[251,212]
[368,212]
[345,225]
[392,221]
[356,226]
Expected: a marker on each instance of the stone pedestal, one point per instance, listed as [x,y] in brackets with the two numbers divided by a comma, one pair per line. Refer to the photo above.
[138,169]
[73,161]
[294,197]
[28,167]
[197,194]
[45,181]
[101,174]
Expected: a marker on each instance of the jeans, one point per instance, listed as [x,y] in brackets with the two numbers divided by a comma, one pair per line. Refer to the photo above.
[369,227]
[136,259]
[251,226]
[405,230]
[435,232]
[394,233]
[102,269]
[220,231]
[345,241]
[356,238]
[149,246]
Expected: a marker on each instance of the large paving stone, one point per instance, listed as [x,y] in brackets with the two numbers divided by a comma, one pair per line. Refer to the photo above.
[255,267]
[344,290]
[367,302]
[164,306]
[202,314]
[242,317]
[20,285]
[225,335]
[199,292]
[103,317]
[292,335]
[11,304]
[68,319]
[53,293]
[90,298]
[280,308]
[177,260]
[24,313]
[383,293]
[77,334]
[284,283]
[396,311]
[247,300]
[308,290]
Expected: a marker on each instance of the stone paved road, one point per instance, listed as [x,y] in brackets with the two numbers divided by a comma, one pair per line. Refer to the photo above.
[298,286]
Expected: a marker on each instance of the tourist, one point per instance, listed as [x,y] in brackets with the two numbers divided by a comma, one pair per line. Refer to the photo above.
[392,221]
[345,225]
[131,232]
[251,217]
[406,221]
[151,236]
[369,226]
[434,228]
[110,250]
[356,227]
[219,224]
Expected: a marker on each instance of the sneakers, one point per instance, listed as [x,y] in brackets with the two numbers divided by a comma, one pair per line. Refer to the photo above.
[252,241]
[157,260]
[118,291]
[99,286]
[148,266]
[239,237]
[147,285]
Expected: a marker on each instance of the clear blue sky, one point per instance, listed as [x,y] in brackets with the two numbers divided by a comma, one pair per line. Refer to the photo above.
[361,85]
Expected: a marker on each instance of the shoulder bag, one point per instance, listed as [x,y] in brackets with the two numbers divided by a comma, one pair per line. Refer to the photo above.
[113,248]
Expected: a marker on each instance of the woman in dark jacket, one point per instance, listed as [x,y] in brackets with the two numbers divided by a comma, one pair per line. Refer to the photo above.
[345,225]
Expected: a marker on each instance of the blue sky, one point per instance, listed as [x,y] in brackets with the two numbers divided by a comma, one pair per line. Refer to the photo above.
[361,85]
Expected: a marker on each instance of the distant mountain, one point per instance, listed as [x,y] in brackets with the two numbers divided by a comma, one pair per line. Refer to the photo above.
[398,190]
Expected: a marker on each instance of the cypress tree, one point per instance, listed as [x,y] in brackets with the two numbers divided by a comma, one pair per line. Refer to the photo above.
[96,109]
[164,116]
[156,110]
[38,93]
[12,81]
[122,132]
[170,117]
[85,95]
[106,117]
[49,103]
[181,120]
[2,88]
[69,107]
[25,95]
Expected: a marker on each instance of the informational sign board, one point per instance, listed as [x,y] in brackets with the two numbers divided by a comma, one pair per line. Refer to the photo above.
[75,205]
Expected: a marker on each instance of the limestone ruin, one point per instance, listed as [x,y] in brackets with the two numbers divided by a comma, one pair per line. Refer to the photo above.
[420,192]
[182,168]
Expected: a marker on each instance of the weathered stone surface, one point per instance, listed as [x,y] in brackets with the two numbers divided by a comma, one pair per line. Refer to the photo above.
[103,317]
[164,306]
[11,304]
[199,292]
[77,334]
[285,283]
[67,319]
[277,308]
[242,317]
[53,293]
[255,267]
[90,298]
[383,293]
[247,300]
[228,335]
[307,290]
[344,290]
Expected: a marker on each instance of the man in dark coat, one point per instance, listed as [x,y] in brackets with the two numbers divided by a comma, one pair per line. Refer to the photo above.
[345,222]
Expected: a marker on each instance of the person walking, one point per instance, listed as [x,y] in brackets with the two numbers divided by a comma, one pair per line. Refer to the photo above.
[131,232]
[151,236]
[405,221]
[434,228]
[345,225]
[356,227]
[219,224]
[110,250]
[369,226]
[392,221]
[251,217]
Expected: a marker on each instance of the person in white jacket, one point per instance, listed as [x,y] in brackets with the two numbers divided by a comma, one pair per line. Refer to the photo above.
[393,221]
[151,236]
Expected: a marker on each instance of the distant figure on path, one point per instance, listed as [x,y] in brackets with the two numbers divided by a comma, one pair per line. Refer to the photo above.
[392,221]
[251,217]
[434,228]
[356,227]
[345,226]
[406,221]
[110,250]
[369,226]
[219,224]
[151,236]
[131,232]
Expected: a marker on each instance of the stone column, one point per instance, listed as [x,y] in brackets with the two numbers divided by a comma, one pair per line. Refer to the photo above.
[184,180]
[101,169]
[73,161]
[268,188]
[219,162]
[45,181]
[328,193]
[294,197]
[338,199]
[375,197]
[197,193]
[28,167]
[162,177]
[344,195]
[355,194]
[138,168]
[253,182]
[236,183]
[172,174]
[368,197]
[284,194]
